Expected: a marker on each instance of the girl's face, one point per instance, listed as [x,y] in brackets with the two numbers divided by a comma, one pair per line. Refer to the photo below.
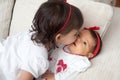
[83,44]
[68,38]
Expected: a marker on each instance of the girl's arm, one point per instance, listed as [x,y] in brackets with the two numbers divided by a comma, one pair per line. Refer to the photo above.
[25,76]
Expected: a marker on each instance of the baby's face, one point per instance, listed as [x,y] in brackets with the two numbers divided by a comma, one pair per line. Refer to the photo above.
[83,44]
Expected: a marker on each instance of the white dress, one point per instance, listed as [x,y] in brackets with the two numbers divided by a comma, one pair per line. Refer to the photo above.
[65,65]
[18,53]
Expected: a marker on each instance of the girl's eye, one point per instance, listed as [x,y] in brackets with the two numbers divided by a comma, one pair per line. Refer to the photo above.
[76,35]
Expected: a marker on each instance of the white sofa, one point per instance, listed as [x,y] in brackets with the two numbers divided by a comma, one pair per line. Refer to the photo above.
[17,15]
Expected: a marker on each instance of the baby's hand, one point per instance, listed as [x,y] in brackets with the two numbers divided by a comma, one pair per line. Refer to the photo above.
[48,76]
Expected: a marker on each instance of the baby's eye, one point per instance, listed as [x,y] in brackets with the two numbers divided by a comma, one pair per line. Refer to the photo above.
[85,43]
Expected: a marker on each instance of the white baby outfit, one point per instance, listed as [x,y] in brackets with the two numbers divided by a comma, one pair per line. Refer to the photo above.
[18,53]
[66,65]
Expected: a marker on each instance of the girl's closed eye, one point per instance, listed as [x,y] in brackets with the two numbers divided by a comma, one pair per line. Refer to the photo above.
[79,35]
[76,35]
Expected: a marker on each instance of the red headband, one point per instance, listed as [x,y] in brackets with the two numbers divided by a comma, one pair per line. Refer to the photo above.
[95,52]
[98,45]
[68,18]
[65,0]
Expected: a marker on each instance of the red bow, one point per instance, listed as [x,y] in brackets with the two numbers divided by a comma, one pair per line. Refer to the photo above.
[93,28]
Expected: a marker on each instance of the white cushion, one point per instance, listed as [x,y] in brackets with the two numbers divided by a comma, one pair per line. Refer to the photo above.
[106,64]
[6,7]
[23,14]
[95,13]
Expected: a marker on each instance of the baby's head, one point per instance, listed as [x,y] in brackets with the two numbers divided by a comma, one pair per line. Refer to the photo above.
[88,44]
[56,22]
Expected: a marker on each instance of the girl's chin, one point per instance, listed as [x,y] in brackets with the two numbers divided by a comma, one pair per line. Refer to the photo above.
[71,46]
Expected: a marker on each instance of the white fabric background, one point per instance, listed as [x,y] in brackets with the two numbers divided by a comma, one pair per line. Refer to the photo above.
[106,64]
[94,14]
[23,14]
[6,7]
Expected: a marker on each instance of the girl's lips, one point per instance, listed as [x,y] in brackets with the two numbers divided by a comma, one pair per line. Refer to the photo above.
[74,43]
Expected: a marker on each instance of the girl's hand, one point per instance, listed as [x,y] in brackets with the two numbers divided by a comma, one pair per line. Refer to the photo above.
[25,76]
[48,76]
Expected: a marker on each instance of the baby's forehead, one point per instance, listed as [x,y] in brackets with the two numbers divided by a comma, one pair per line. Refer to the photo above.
[86,35]
[84,31]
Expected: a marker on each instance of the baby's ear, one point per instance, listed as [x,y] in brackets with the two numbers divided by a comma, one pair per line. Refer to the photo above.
[90,55]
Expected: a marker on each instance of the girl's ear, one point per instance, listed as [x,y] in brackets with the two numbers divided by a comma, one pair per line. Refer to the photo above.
[90,55]
[57,38]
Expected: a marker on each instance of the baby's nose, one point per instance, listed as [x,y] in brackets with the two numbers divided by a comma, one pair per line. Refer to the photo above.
[78,40]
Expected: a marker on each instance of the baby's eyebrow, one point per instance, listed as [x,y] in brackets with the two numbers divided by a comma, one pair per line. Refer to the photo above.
[88,42]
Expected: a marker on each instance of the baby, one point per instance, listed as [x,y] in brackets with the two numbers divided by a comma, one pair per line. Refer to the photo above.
[68,61]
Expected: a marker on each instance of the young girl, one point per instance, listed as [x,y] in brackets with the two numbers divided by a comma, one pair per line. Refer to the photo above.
[25,55]
[70,60]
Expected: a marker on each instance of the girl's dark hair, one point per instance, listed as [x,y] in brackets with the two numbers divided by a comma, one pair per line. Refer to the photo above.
[93,33]
[49,19]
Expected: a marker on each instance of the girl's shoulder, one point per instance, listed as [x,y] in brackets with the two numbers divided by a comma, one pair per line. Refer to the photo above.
[23,44]
[19,35]
[26,42]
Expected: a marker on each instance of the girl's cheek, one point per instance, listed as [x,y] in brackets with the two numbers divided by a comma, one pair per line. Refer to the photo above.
[69,41]
[72,40]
